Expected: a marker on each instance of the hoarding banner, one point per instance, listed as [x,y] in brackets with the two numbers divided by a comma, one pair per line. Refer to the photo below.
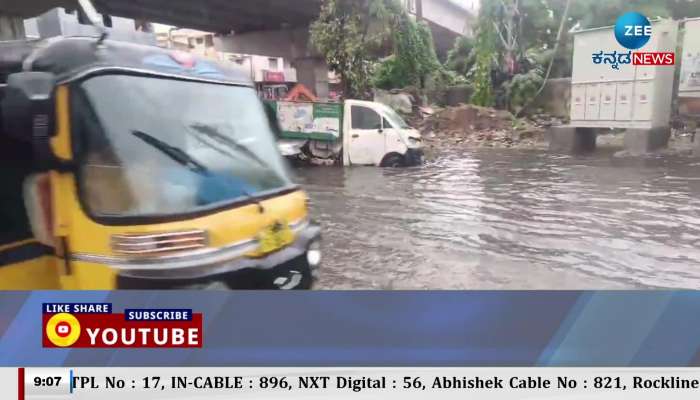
[690,67]
[318,121]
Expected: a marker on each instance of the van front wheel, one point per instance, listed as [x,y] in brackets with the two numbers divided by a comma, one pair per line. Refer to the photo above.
[392,160]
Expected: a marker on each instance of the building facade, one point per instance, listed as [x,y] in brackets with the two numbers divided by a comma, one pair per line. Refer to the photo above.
[273,76]
[188,40]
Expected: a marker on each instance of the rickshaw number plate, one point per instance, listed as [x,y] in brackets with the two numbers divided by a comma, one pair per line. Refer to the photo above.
[275,237]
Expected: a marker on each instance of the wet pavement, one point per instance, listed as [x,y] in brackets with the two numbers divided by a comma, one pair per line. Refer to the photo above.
[510,219]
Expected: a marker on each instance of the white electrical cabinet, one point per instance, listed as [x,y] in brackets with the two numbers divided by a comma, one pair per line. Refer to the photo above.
[626,96]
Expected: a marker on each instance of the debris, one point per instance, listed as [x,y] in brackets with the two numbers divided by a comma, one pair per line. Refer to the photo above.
[544,120]
[472,125]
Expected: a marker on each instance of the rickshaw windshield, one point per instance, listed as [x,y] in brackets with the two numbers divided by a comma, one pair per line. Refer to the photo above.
[152,146]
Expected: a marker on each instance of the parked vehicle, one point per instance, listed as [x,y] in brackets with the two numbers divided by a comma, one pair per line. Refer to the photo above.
[350,133]
[129,166]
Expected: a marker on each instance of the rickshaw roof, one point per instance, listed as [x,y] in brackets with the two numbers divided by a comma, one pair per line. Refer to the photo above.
[70,58]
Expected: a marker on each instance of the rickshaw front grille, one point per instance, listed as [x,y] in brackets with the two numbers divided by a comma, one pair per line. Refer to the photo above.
[156,244]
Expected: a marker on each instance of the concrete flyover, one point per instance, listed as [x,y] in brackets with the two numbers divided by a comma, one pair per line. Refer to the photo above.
[271,20]
[276,28]
[221,16]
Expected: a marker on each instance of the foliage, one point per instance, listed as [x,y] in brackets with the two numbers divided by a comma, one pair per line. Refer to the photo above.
[342,34]
[461,58]
[522,87]
[514,41]
[414,61]
[503,62]
[387,75]
[350,34]
[484,51]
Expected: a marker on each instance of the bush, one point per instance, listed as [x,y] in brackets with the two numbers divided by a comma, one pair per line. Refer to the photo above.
[461,57]
[387,75]
[521,88]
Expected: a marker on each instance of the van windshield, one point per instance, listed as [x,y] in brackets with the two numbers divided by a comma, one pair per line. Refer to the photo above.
[393,117]
[152,146]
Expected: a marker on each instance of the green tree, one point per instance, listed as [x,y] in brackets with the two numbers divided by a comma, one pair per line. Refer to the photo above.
[414,61]
[349,34]
[525,33]
[485,56]
[353,34]
[461,57]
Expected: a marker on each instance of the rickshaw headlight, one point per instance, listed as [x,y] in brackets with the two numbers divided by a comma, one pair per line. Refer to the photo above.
[313,254]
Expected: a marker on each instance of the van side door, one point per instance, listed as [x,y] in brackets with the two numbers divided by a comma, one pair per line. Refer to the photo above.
[366,145]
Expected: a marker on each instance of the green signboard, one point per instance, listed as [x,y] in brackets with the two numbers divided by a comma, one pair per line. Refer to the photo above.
[316,121]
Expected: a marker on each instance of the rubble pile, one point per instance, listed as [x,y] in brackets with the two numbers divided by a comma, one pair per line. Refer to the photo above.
[544,120]
[479,127]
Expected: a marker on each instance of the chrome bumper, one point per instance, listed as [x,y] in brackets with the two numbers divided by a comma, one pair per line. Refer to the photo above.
[208,262]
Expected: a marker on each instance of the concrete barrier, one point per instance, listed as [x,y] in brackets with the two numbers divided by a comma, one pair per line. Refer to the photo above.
[555,98]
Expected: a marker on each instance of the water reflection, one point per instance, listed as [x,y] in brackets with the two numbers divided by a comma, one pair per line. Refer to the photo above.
[506,219]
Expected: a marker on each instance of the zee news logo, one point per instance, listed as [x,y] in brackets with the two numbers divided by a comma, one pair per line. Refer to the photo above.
[632,31]
[94,325]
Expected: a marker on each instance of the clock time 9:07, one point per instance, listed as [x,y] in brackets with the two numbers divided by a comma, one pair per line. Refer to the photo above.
[47,381]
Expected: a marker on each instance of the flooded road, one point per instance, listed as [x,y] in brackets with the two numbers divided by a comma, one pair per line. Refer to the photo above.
[510,219]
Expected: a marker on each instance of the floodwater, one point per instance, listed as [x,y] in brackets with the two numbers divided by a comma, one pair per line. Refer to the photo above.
[510,219]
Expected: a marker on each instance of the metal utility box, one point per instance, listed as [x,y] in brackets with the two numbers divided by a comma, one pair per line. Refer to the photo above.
[689,84]
[621,95]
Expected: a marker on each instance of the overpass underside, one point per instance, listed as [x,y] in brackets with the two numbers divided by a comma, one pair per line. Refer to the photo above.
[270,27]
[221,16]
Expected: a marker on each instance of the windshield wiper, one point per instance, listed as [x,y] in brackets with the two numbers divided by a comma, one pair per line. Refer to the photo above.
[181,157]
[213,133]
[175,153]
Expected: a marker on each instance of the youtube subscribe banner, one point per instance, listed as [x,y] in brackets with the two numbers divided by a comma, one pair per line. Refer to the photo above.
[358,328]
[84,383]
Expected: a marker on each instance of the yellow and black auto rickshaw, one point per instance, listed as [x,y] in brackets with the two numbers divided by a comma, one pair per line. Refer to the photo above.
[133,167]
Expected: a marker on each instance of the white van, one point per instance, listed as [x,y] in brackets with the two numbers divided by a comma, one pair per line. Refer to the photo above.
[352,133]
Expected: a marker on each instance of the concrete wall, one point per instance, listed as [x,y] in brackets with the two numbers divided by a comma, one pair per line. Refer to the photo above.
[448,15]
[555,98]
[447,20]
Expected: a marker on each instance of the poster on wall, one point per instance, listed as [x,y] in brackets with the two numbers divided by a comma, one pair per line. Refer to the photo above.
[690,67]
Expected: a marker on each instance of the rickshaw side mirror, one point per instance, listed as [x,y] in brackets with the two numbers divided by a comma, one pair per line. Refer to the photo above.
[28,110]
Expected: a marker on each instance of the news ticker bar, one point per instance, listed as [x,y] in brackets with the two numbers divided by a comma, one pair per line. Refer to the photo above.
[294,383]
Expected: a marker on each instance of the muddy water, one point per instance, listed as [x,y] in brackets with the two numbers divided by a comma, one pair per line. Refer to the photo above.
[510,219]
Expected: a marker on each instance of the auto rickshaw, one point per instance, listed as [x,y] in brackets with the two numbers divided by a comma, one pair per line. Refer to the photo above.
[134,167]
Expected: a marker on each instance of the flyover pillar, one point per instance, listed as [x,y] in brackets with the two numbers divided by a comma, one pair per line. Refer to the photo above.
[312,72]
[291,44]
[11,27]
